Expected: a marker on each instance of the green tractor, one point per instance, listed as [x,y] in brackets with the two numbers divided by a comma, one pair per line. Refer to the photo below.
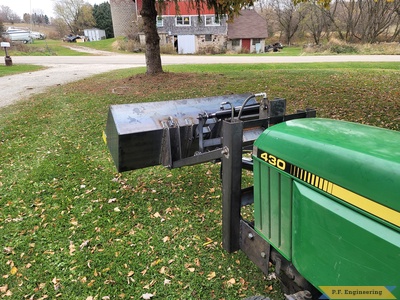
[326,193]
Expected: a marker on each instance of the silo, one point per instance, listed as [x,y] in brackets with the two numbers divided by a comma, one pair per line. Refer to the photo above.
[124,17]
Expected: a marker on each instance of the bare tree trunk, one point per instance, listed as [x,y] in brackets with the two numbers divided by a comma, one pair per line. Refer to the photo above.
[316,21]
[289,16]
[153,56]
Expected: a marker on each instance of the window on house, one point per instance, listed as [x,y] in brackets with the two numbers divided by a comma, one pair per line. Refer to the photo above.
[160,21]
[212,21]
[236,43]
[182,21]
[256,41]
[208,37]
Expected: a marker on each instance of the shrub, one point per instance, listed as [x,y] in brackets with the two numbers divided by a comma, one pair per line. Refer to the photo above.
[340,47]
[244,51]
[343,49]
[129,45]
[167,49]
[211,49]
[53,35]
[21,47]
[381,48]
[333,46]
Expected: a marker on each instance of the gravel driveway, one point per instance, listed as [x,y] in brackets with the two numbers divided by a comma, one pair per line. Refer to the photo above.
[59,70]
[21,86]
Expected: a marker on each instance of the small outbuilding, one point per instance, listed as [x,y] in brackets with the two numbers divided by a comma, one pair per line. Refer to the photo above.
[247,32]
[95,34]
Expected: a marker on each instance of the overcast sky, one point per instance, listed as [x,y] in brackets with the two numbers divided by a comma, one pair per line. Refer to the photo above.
[46,6]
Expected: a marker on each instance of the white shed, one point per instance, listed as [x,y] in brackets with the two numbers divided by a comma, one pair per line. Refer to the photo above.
[95,34]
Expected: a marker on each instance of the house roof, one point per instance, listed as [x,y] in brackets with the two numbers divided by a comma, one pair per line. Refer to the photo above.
[180,8]
[249,24]
[185,7]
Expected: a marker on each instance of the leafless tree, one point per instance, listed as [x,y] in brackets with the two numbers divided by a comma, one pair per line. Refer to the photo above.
[365,20]
[266,9]
[76,14]
[8,15]
[376,18]
[316,21]
[290,16]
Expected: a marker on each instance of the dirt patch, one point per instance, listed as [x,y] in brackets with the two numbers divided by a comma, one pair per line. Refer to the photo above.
[88,50]
[142,85]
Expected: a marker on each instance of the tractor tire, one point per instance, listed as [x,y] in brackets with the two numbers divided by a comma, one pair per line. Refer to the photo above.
[257,298]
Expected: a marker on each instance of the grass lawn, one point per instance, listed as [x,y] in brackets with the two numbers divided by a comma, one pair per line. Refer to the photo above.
[45,48]
[71,227]
[16,69]
[105,45]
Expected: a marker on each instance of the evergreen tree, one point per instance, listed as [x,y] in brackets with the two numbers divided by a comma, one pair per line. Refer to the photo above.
[102,16]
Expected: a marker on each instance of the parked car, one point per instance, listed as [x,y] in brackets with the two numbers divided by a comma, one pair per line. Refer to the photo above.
[37,35]
[15,34]
[23,34]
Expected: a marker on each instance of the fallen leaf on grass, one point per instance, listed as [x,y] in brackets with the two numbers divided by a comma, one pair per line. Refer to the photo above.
[91,283]
[8,293]
[13,270]
[147,296]
[40,287]
[71,248]
[4,288]
[230,282]
[207,243]
[156,262]
[148,286]
[211,275]
[8,250]
[84,244]
[189,267]
[56,283]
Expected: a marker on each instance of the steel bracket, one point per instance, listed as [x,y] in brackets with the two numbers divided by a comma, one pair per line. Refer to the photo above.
[255,247]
